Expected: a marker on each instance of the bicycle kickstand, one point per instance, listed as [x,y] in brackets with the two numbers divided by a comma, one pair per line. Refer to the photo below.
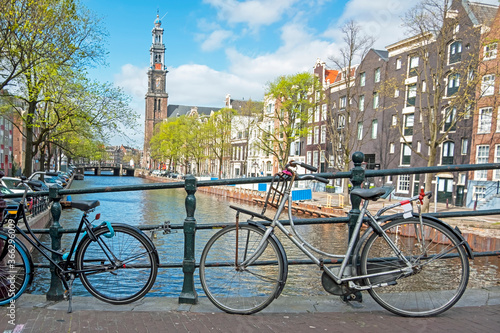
[69,293]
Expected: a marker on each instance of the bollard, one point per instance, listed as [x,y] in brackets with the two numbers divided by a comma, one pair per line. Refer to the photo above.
[188,294]
[56,291]
[357,178]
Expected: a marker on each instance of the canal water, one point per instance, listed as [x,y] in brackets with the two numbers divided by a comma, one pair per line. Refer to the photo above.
[154,207]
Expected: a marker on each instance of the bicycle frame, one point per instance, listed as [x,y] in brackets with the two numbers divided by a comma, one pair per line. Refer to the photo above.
[342,276]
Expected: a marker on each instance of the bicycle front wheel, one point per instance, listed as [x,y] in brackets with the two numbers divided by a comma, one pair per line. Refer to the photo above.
[236,289]
[439,272]
[119,269]
[16,270]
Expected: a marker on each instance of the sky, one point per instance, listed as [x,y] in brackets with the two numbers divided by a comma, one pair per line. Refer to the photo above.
[220,47]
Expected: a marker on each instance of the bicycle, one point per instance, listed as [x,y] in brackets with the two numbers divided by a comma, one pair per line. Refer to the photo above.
[116,263]
[410,264]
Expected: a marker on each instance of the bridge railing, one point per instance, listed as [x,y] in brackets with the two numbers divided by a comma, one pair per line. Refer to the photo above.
[357,176]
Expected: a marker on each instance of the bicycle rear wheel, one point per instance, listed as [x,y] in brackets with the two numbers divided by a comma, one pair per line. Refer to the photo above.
[241,290]
[120,269]
[440,268]
[16,270]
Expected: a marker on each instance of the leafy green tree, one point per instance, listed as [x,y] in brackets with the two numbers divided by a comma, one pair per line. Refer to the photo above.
[287,122]
[218,132]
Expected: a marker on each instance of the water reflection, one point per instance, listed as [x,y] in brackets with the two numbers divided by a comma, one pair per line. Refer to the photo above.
[157,206]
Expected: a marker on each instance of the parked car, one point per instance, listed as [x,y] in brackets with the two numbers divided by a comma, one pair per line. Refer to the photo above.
[13,184]
[49,178]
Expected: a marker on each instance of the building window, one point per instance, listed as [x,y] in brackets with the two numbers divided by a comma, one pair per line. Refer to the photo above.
[323,134]
[396,93]
[315,158]
[308,158]
[411,95]
[394,120]
[490,51]
[391,148]
[309,138]
[361,103]
[316,135]
[374,128]
[324,111]
[362,79]
[403,183]
[343,102]
[406,154]
[488,85]
[341,123]
[424,86]
[479,193]
[317,114]
[360,130]
[482,155]
[408,126]
[398,63]
[450,122]
[453,84]
[465,146]
[484,120]
[375,100]
[448,152]
[413,66]
[455,52]
[377,75]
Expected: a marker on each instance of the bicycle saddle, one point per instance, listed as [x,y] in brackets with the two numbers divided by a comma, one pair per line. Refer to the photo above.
[85,205]
[371,193]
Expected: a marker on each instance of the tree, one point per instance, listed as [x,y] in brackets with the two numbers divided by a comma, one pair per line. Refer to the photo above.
[446,61]
[46,38]
[218,130]
[292,109]
[342,127]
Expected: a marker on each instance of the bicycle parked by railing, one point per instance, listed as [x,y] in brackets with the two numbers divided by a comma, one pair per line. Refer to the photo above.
[411,265]
[117,263]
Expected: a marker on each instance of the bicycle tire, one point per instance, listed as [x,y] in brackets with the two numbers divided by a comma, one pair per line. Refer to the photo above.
[15,261]
[124,281]
[440,273]
[235,290]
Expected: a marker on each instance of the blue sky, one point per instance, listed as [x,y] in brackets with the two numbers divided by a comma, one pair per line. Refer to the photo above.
[219,47]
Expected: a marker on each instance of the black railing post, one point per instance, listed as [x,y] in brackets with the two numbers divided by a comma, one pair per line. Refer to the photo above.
[188,294]
[357,178]
[56,291]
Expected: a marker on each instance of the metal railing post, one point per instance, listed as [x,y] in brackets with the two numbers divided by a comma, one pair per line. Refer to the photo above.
[357,178]
[56,291]
[188,294]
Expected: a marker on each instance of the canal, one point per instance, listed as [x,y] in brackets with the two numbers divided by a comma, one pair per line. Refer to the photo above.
[157,206]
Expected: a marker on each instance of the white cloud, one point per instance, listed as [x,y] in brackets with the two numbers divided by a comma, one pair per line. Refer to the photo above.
[297,53]
[215,40]
[255,13]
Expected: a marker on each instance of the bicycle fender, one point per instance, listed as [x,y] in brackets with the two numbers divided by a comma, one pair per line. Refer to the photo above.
[25,249]
[282,254]
[454,231]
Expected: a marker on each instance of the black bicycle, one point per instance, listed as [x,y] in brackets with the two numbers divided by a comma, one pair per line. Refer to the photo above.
[117,263]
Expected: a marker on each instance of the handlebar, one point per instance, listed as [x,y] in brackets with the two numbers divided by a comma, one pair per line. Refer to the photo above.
[313,177]
[305,166]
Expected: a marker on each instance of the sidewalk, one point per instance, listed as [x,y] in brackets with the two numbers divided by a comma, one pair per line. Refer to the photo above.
[477,311]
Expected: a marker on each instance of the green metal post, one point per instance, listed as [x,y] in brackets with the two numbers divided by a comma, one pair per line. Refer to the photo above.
[56,291]
[188,294]
[357,178]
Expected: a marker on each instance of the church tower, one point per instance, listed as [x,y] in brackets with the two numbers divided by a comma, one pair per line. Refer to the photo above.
[156,97]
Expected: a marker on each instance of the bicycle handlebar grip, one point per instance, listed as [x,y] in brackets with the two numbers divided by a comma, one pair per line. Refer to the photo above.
[321,179]
[308,167]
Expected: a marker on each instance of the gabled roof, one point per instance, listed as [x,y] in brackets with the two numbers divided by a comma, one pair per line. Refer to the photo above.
[384,55]
[330,75]
[174,110]
[480,13]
